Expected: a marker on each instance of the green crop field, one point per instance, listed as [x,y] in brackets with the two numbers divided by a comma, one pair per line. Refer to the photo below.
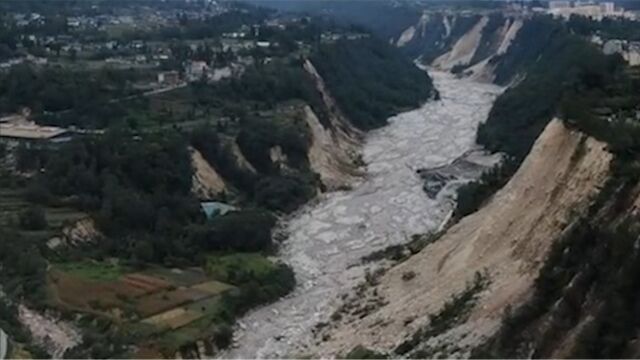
[231,267]
[94,270]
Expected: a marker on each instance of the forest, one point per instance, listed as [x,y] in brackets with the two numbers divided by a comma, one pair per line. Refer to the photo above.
[567,64]
[53,89]
[370,81]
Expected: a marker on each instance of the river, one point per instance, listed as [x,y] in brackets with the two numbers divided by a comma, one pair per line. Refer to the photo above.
[328,237]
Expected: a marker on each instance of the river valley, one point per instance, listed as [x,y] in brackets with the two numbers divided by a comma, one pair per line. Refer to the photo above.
[328,237]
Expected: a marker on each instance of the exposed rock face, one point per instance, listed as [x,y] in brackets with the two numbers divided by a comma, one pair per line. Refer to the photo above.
[206,183]
[329,158]
[474,52]
[334,149]
[54,335]
[508,239]
[341,126]
[78,232]
[277,156]
[484,70]
[464,49]
[241,160]
[406,36]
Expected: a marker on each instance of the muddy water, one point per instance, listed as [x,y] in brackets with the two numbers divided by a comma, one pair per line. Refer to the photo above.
[329,237]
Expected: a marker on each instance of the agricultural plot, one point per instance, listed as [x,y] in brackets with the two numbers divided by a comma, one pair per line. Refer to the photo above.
[185,277]
[165,300]
[161,298]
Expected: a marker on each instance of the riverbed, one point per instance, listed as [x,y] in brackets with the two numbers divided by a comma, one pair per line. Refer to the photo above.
[328,237]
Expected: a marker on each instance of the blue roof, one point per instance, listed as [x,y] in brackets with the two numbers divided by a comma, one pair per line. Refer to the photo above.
[213,208]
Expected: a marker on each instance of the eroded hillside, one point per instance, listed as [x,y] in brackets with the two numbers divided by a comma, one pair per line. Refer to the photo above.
[505,243]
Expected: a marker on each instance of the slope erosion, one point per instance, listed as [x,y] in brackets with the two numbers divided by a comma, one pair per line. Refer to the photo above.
[504,243]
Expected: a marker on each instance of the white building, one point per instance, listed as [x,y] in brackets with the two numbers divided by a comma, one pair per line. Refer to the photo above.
[196,69]
[559,4]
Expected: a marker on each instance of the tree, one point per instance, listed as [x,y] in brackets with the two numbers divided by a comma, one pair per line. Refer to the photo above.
[33,219]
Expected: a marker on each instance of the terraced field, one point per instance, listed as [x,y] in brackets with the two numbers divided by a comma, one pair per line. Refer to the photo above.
[12,203]
[177,305]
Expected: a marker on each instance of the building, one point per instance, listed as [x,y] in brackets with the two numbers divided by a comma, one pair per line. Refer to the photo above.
[559,4]
[169,78]
[212,209]
[32,135]
[633,53]
[196,69]
[607,8]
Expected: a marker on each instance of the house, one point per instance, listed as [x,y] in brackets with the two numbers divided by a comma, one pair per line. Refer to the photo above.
[633,53]
[169,77]
[196,69]
[212,209]
[32,135]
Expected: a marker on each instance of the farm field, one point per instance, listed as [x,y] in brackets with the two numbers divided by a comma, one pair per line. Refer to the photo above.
[158,300]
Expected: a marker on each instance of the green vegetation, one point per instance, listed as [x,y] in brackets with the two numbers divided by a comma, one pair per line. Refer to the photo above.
[56,89]
[473,195]
[33,218]
[94,270]
[144,281]
[454,312]
[361,352]
[235,268]
[559,67]
[607,28]
[402,252]
[593,261]
[370,81]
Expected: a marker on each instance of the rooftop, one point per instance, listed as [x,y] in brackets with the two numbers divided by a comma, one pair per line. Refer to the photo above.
[30,131]
[213,208]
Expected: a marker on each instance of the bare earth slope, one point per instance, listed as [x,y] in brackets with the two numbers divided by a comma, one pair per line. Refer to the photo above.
[206,181]
[508,238]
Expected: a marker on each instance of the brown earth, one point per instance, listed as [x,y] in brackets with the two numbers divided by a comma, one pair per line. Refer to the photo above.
[508,238]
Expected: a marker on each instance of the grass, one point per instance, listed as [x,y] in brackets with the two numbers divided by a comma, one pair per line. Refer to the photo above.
[230,268]
[94,270]
[213,287]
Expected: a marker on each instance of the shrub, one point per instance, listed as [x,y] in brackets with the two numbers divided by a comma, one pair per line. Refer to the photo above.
[33,219]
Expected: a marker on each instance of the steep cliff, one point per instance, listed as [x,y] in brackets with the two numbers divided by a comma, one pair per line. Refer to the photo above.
[473,44]
[207,183]
[451,295]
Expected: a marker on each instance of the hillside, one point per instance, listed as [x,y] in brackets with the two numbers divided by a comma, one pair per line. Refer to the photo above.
[370,80]
[532,270]
[154,226]
[502,244]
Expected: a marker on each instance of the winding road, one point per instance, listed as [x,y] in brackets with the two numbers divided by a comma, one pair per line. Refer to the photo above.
[328,237]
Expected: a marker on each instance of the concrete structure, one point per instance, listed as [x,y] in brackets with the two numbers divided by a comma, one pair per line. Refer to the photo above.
[633,54]
[31,134]
[559,4]
[196,69]
[630,51]
[169,77]
[590,9]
